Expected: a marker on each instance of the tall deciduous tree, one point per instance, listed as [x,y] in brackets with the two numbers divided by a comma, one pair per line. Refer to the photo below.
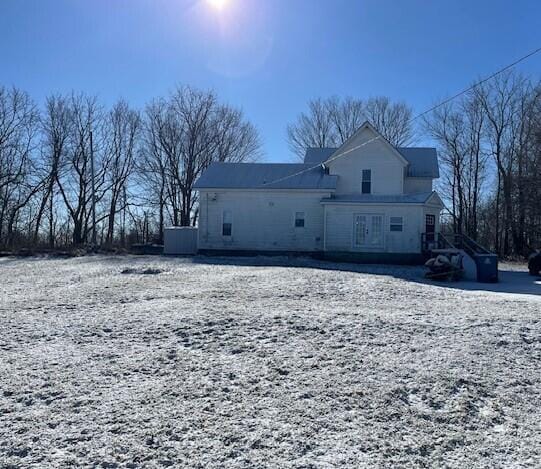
[330,122]
[184,133]
[122,128]
[457,128]
[392,120]
[504,103]
[56,129]
[491,134]
[18,127]
[76,179]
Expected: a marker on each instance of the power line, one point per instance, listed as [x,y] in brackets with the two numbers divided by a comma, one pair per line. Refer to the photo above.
[484,80]
[433,108]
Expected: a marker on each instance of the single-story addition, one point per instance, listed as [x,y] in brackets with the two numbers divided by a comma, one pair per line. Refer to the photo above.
[365,201]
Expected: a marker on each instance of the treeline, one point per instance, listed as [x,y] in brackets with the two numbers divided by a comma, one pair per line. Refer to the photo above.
[489,144]
[139,166]
[73,172]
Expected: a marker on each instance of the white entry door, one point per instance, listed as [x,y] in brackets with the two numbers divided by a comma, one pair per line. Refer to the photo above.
[368,231]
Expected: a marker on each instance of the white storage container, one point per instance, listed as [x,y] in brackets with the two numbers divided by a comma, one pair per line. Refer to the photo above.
[180,240]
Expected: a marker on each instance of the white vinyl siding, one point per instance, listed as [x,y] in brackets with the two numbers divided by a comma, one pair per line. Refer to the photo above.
[387,169]
[298,220]
[262,220]
[341,229]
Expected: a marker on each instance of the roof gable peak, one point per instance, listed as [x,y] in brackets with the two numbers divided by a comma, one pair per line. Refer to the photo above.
[342,149]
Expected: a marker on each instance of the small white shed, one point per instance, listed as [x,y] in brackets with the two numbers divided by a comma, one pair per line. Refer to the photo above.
[179,240]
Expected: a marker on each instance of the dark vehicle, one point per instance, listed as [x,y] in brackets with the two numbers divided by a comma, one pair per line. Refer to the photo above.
[534,263]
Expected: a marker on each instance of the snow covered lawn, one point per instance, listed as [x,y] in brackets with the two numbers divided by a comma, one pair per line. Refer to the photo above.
[155,362]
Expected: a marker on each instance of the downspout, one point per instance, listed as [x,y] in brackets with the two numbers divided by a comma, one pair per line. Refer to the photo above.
[325,171]
[324,228]
[207,220]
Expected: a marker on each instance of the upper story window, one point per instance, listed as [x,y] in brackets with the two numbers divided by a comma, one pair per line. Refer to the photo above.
[366,181]
[227,223]
[299,219]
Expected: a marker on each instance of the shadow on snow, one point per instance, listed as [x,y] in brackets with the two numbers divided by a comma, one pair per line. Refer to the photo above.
[511,281]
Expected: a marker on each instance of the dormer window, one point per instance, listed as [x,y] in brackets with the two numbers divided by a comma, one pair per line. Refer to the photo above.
[366,181]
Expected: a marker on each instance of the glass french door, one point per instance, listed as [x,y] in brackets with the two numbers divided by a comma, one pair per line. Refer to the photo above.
[368,230]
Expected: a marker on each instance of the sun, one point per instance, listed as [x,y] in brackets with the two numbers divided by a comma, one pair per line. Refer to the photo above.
[218,4]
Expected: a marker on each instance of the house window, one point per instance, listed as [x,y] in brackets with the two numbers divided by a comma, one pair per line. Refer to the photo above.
[397,224]
[299,219]
[366,181]
[227,223]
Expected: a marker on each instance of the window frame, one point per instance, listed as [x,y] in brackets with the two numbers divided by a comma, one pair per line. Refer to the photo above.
[224,223]
[303,220]
[366,181]
[396,224]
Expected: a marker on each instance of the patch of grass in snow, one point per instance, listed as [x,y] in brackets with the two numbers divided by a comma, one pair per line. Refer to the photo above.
[141,271]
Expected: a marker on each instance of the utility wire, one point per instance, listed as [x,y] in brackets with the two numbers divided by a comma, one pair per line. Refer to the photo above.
[433,108]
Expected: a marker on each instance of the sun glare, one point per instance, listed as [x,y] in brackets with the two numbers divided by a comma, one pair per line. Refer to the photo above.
[218,4]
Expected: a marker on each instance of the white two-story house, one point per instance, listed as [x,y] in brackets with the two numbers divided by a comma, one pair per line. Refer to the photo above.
[366,201]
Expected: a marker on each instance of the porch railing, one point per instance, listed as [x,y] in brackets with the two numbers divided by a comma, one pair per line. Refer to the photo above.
[451,241]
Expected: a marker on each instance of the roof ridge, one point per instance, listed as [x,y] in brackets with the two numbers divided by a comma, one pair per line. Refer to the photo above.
[259,163]
[417,148]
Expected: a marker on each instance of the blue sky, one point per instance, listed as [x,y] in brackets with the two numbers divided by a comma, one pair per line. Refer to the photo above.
[267,56]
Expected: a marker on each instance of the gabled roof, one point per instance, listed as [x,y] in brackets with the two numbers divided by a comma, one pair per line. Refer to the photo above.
[422,161]
[381,138]
[421,198]
[318,155]
[265,176]
[435,199]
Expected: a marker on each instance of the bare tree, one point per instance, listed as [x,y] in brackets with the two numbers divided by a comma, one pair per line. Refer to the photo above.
[476,167]
[392,120]
[75,176]
[527,157]
[530,178]
[492,131]
[501,99]
[194,113]
[151,167]
[18,126]
[314,129]
[457,128]
[123,127]
[56,129]
[346,116]
[183,135]
[237,139]
[330,122]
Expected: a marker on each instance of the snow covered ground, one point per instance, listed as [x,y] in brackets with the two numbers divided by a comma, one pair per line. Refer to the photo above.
[221,363]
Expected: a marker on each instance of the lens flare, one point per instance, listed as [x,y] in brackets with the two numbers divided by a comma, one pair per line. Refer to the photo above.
[218,4]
